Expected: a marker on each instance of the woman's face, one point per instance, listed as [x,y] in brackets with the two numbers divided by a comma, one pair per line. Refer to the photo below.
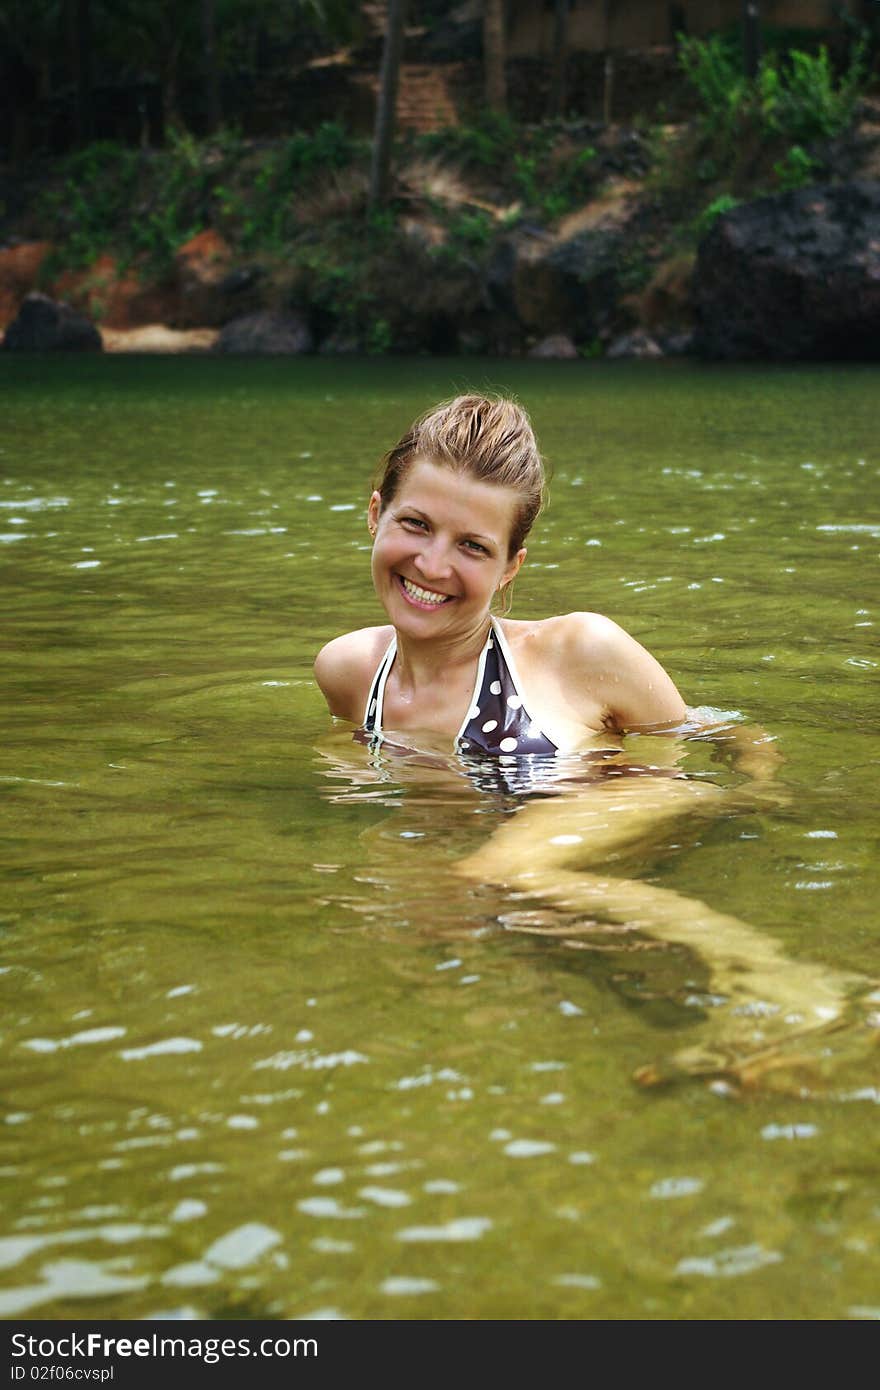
[440,551]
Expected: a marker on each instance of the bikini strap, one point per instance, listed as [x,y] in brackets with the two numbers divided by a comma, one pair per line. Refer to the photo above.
[376,697]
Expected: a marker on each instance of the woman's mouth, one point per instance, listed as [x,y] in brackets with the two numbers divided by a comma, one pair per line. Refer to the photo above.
[423,598]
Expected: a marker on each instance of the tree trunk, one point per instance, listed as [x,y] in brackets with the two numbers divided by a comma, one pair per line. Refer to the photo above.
[385,110]
[560,57]
[213,114]
[493,55]
[751,22]
[608,71]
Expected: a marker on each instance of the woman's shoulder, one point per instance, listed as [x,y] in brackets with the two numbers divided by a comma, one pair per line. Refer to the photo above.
[590,636]
[345,666]
[599,667]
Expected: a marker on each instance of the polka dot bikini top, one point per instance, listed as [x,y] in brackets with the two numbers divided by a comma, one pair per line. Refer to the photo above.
[497,721]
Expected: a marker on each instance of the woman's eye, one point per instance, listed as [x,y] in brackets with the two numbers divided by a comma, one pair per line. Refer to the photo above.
[414,521]
[476,547]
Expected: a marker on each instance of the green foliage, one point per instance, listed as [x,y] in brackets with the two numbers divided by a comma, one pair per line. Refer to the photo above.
[552,181]
[487,144]
[591,350]
[471,230]
[142,205]
[94,192]
[381,222]
[709,216]
[259,209]
[797,168]
[802,99]
[532,163]
[379,337]
[796,95]
[713,68]
[333,279]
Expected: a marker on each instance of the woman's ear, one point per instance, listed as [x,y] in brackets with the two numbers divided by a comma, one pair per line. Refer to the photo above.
[373,510]
[513,567]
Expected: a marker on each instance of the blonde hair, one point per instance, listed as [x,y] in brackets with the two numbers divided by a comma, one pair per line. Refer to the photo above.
[491,439]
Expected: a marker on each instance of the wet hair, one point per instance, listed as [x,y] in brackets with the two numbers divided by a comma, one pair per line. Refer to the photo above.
[489,439]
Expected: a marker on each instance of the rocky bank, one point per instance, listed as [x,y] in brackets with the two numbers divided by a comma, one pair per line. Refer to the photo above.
[793,275]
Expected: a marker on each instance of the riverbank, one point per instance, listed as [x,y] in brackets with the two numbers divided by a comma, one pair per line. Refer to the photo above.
[565,239]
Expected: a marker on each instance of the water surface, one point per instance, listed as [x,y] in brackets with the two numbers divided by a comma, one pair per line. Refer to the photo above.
[263,1053]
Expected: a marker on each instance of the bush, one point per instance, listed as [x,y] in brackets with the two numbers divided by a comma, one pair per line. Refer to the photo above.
[713,68]
[797,169]
[709,216]
[92,200]
[487,144]
[801,99]
[796,95]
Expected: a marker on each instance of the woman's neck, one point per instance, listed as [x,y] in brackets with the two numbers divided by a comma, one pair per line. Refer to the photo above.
[420,662]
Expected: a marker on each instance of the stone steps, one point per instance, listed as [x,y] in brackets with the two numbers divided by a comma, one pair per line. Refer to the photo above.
[424,102]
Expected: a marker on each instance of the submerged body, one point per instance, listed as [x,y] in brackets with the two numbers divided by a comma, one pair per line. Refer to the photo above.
[449,522]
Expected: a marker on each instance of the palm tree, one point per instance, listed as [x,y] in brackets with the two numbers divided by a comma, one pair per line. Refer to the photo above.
[385,111]
[493,55]
[608,91]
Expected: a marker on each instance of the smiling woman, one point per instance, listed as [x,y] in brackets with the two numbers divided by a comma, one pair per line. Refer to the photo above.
[546,703]
[449,519]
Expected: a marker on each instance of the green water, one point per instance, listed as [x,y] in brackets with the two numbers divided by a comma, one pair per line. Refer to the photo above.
[263,1054]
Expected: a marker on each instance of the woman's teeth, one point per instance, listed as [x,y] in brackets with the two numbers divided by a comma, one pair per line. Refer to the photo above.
[423,595]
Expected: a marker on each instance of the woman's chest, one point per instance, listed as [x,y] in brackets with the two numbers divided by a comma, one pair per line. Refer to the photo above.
[439,707]
[570,716]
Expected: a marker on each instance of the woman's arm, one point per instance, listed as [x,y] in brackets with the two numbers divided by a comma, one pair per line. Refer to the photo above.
[603,664]
[344,668]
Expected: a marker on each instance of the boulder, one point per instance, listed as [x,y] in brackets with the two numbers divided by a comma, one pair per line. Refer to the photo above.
[794,276]
[47,325]
[557,346]
[266,332]
[566,286]
[425,308]
[665,305]
[636,344]
[340,344]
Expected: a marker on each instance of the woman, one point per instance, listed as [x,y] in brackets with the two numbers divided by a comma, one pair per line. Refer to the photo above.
[449,521]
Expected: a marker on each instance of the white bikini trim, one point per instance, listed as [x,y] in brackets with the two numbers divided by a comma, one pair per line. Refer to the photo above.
[379,698]
[478,685]
[515,677]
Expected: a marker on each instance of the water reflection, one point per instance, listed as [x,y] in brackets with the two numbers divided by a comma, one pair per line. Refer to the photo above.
[565,858]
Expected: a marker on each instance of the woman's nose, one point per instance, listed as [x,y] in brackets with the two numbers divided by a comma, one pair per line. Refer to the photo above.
[432,559]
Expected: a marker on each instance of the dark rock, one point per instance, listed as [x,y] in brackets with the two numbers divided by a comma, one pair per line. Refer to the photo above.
[795,276]
[425,307]
[565,287]
[527,243]
[339,344]
[585,268]
[677,344]
[49,325]
[557,345]
[266,332]
[243,278]
[637,344]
